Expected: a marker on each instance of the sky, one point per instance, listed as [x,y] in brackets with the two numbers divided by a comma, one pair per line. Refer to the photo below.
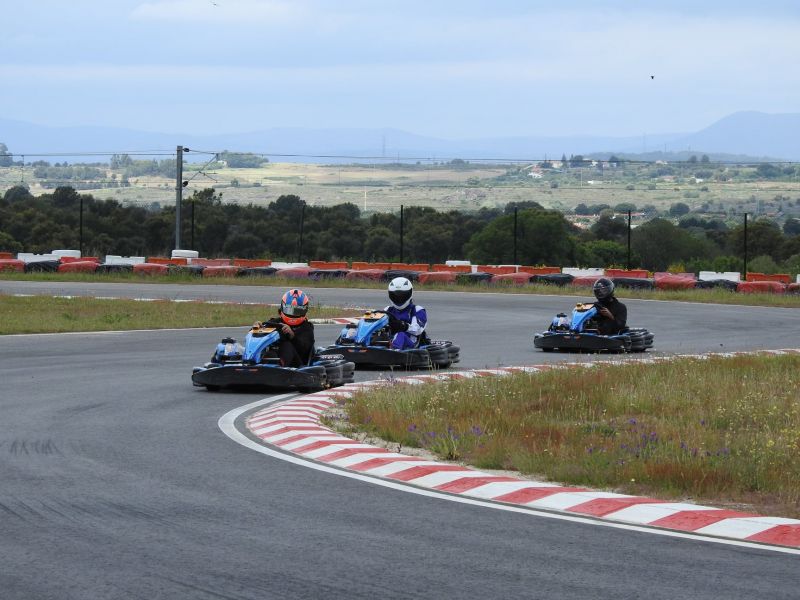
[454,69]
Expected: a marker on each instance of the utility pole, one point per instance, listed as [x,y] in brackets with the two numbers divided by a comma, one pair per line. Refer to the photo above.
[515,235]
[80,229]
[401,233]
[745,246]
[629,240]
[302,222]
[179,183]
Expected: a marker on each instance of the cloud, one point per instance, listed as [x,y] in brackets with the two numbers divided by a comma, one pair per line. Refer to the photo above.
[220,11]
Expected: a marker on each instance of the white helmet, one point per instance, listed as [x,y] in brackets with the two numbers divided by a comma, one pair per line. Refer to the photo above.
[400,290]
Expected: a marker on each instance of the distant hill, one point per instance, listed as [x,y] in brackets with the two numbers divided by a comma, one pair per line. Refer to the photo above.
[744,134]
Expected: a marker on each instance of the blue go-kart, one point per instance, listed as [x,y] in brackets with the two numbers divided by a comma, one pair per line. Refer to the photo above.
[255,364]
[367,344]
[580,333]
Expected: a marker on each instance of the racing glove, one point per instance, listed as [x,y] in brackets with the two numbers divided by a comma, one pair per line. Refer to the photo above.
[396,325]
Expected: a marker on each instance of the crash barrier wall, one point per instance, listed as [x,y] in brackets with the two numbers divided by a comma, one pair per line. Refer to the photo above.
[13,265]
[780,277]
[294,426]
[438,277]
[78,266]
[151,269]
[624,278]
[754,287]
[6,255]
[633,273]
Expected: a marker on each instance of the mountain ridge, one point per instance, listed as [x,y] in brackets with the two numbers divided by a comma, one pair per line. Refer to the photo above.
[746,133]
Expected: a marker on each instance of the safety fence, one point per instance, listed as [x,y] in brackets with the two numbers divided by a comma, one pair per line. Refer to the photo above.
[452,272]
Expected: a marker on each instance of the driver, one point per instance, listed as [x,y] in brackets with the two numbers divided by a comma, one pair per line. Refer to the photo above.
[406,320]
[612,314]
[297,333]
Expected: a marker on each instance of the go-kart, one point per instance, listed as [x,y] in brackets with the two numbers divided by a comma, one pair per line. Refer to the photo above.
[367,344]
[256,364]
[580,333]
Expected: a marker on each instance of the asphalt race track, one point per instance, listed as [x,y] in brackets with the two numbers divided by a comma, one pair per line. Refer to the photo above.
[118,483]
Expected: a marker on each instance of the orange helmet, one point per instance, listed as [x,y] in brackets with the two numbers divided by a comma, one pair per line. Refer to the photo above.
[294,306]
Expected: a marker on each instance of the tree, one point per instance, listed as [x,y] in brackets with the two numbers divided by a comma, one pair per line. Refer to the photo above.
[659,243]
[543,237]
[678,209]
[763,237]
[791,227]
[6,160]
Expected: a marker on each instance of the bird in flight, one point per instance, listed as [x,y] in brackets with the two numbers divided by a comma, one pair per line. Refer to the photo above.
[652,76]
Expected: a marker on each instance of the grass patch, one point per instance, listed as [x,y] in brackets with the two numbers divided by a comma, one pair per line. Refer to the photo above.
[721,431]
[706,296]
[43,314]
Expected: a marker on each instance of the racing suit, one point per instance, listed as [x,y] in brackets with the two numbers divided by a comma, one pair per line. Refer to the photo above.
[618,310]
[295,351]
[407,325]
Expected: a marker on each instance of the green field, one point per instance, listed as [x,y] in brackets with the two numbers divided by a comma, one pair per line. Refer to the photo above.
[466,187]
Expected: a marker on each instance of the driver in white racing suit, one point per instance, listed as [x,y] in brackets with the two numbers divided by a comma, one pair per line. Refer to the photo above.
[407,320]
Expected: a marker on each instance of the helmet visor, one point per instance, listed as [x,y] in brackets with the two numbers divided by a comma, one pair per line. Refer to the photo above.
[399,297]
[294,310]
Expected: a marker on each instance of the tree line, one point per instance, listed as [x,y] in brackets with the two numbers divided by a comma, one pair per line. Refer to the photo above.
[290,229]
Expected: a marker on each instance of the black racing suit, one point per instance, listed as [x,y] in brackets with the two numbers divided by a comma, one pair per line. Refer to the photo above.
[295,351]
[612,326]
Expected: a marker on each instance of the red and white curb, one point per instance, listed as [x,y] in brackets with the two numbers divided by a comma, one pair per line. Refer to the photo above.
[294,427]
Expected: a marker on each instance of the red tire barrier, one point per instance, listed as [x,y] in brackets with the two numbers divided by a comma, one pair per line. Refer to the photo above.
[793,288]
[437,277]
[366,274]
[12,265]
[6,255]
[80,266]
[221,271]
[365,266]
[511,278]
[584,281]
[150,269]
[675,281]
[294,272]
[756,287]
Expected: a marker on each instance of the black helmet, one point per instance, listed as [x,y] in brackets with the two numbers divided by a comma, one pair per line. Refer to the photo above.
[603,288]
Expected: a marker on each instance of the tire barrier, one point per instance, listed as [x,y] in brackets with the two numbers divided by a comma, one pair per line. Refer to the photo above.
[511,278]
[375,271]
[633,283]
[258,272]
[392,273]
[150,269]
[756,287]
[559,279]
[79,266]
[42,266]
[221,271]
[294,272]
[317,274]
[674,281]
[114,268]
[366,274]
[473,278]
[12,265]
[438,277]
[726,284]
[196,270]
